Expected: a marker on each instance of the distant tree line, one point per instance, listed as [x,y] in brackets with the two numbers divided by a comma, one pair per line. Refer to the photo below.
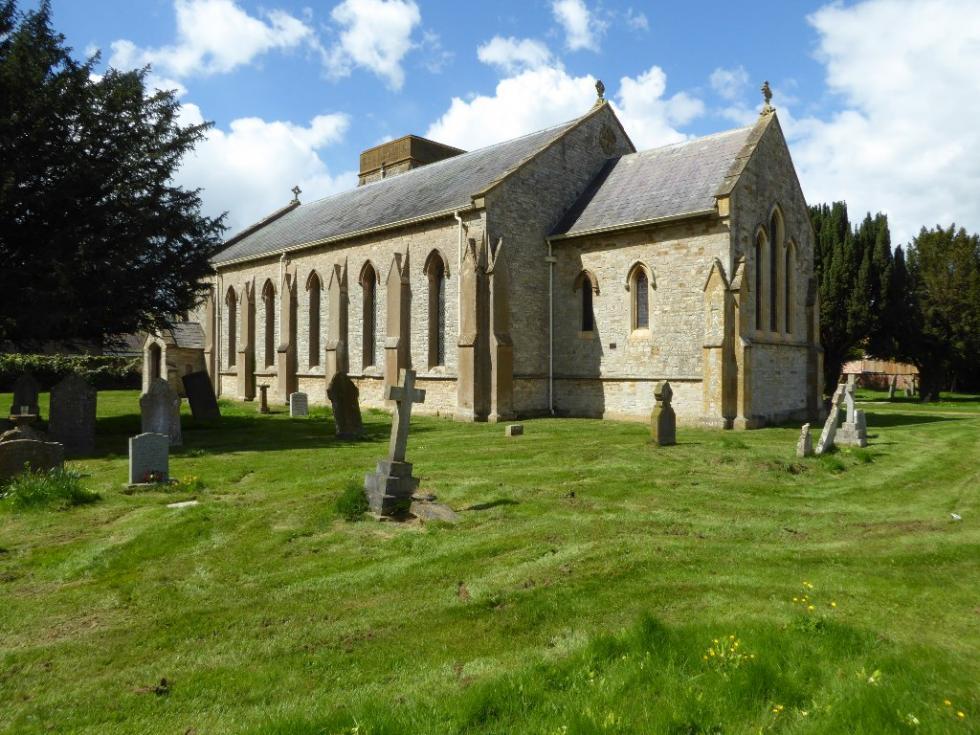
[918,304]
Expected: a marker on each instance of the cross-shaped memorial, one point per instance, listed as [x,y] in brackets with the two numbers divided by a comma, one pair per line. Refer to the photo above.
[389,489]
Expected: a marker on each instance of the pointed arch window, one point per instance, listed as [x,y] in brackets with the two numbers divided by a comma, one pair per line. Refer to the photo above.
[369,281]
[313,286]
[760,264]
[589,286]
[269,323]
[775,250]
[231,305]
[638,284]
[435,270]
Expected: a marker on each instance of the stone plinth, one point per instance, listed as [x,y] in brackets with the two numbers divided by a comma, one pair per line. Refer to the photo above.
[390,487]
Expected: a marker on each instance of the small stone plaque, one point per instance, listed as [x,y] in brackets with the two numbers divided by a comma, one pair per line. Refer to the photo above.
[201,397]
[514,430]
[149,458]
[299,404]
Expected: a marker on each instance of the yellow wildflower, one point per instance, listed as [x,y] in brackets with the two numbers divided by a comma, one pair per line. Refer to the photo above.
[833,604]
[809,607]
[947,703]
[960,714]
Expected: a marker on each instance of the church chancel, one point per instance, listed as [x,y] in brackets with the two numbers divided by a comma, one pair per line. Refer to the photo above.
[562,272]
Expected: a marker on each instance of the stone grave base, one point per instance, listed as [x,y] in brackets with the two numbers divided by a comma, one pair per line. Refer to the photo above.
[848,435]
[137,486]
[389,489]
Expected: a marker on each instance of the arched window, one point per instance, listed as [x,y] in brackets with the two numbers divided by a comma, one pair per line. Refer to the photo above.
[589,286]
[760,250]
[156,357]
[638,284]
[435,269]
[775,250]
[231,305]
[369,280]
[313,286]
[790,281]
[269,320]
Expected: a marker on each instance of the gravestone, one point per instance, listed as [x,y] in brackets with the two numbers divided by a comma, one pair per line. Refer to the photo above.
[663,422]
[892,384]
[514,430]
[804,447]
[826,442]
[25,396]
[849,434]
[263,399]
[149,458]
[73,410]
[299,404]
[19,454]
[389,489]
[201,397]
[343,395]
[160,411]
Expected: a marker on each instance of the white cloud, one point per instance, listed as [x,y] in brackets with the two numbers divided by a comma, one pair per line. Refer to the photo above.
[376,36]
[907,141]
[582,28]
[539,98]
[637,20]
[513,55]
[729,83]
[213,36]
[249,169]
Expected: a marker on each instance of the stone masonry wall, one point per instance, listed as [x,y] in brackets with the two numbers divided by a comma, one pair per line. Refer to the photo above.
[523,210]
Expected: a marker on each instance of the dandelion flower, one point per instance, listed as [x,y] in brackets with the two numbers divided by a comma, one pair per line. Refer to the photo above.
[796,599]
[833,604]
[960,714]
[947,703]
[809,607]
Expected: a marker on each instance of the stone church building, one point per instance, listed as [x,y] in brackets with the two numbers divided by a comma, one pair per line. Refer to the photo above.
[562,272]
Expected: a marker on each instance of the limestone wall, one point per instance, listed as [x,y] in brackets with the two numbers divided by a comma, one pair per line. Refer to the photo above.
[523,210]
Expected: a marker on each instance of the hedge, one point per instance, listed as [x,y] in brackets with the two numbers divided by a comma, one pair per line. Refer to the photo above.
[102,371]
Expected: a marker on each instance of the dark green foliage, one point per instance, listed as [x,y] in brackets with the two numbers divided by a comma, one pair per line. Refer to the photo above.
[944,285]
[95,238]
[61,488]
[352,503]
[102,371]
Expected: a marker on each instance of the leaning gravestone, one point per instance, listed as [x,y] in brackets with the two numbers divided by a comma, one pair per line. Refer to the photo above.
[200,396]
[343,396]
[299,404]
[149,458]
[160,410]
[663,422]
[20,454]
[73,409]
[390,488]
[25,396]
[804,447]
[826,442]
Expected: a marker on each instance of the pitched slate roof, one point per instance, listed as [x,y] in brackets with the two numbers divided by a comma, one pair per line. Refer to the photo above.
[662,182]
[439,187]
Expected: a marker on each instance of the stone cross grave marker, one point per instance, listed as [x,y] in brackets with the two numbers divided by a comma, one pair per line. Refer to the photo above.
[160,411]
[389,489]
[149,458]
[263,399]
[826,442]
[299,404]
[201,397]
[25,396]
[73,409]
[804,447]
[850,434]
[343,395]
[663,422]
[17,454]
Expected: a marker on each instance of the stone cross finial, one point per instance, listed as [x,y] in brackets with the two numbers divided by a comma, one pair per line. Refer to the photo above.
[600,90]
[404,396]
[767,96]
[296,192]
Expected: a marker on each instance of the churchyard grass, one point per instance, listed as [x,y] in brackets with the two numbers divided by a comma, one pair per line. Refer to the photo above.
[595,584]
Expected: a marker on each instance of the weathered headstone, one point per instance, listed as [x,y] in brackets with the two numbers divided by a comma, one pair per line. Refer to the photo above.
[892,384]
[390,488]
[804,447]
[299,404]
[73,411]
[201,397]
[514,430]
[849,433]
[149,458]
[826,442]
[263,399]
[663,422]
[343,395]
[20,454]
[160,411]
[25,396]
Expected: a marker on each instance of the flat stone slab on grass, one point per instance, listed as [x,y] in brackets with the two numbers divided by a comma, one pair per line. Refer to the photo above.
[426,510]
[514,430]
[184,504]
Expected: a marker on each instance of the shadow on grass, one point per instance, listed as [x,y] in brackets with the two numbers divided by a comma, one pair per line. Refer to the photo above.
[885,420]
[492,504]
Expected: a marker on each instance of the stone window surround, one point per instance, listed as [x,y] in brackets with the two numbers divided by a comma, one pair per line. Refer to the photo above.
[782,292]
[637,333]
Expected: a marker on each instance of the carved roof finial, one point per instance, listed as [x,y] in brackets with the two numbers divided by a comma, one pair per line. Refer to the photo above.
[296,192]
[767,96]
[600,90]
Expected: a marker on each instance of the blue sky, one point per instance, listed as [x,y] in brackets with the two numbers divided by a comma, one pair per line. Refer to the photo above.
[877,97]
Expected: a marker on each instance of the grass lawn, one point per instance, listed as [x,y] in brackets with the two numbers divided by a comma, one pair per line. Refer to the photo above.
[582,592]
